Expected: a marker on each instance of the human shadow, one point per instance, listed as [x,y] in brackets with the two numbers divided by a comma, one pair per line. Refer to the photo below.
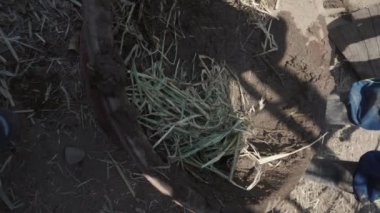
[294,82]
[290,85]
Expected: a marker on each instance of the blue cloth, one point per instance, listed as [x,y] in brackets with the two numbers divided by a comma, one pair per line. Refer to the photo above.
[366,182]
[6,128]
[364,104]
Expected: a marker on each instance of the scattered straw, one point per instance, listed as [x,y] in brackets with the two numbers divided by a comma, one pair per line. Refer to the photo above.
[4,90]
[76,3]
[277,6]
[260,6]
[84,183]
[67,96]
[269,45]
[23,111]
[5,164]
[264,160]
[4,197]
[40,37]
[3,60]
[122,175]
[47,93]
[9,45]
[107,206]
[195,123]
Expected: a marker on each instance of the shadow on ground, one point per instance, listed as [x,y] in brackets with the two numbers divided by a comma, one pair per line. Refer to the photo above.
[294,81]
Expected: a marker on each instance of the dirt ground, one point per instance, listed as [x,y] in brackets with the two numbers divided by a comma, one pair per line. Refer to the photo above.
[294,82]
[55,114]
[347,143]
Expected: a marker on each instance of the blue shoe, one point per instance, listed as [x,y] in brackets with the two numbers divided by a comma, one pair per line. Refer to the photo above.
[366,182]
[364,104]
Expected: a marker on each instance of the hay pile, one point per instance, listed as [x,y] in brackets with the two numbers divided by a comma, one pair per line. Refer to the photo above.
[187,113]
[191,123]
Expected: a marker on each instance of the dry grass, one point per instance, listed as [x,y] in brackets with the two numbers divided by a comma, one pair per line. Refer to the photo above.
[10,201]
[122,175]
[34,67]
[261,17]
[261,7]
[37,80]
[188,117]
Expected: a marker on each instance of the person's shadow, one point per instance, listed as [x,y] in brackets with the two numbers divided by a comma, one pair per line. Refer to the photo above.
[294,87]
[294,81]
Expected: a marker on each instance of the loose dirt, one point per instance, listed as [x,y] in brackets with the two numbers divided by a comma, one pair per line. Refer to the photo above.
[347,143]
[294,82]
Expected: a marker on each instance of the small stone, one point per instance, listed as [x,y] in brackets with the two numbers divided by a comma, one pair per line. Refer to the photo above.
[74,155]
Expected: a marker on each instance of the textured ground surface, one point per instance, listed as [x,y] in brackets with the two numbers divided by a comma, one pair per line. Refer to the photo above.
[346,143]
[294,82]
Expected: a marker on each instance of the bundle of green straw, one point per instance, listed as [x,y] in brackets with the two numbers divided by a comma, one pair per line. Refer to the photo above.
[191,123]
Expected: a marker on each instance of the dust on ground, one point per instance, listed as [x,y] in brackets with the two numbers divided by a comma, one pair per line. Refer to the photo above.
[347,143]
[293,81]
